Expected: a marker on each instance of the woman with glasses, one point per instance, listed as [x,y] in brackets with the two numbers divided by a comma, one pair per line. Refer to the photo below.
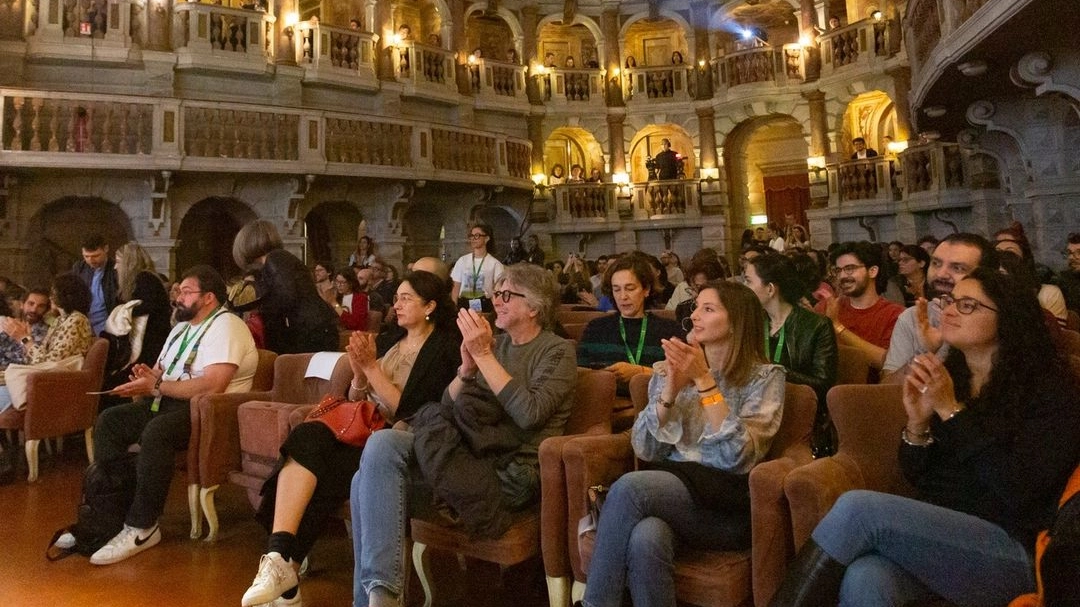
[911,275]
[351,303]
[313,474]
[476,272]
[627,343]
[714,406]
[295,317]
[523,377]
[795,337]
[992,435]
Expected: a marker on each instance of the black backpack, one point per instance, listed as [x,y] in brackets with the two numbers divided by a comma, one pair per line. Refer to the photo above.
[108,491]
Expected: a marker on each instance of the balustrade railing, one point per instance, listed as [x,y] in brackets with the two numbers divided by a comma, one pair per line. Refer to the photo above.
[861,42]
[496,77]
[924,32]
[584,201]
[933,167]
[420,63]
[108,23]
[59,123]
[867,179]
[225,136]
[657,199]
[463,151]
[322,47]
[664,83]
[218,30]
[355,141]
[572,85]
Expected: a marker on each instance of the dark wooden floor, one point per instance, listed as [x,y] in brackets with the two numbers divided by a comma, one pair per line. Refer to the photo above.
[185,572]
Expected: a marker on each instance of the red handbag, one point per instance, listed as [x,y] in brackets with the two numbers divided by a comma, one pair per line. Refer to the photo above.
[352,422]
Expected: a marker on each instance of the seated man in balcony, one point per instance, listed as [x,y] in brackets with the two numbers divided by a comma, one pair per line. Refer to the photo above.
[861,151]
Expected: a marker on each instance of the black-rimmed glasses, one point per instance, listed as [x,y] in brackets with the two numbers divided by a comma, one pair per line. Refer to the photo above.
[506,295]
[964,305]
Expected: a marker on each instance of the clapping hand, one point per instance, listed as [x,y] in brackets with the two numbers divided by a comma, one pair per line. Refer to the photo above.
[361,351]
[685,362]
[476,336]
[928,335]
[928,389]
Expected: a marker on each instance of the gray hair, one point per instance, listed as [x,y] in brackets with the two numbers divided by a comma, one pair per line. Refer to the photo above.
[539,287]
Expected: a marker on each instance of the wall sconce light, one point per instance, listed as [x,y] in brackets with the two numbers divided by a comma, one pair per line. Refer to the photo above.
[622,181]
[805,41]
[759,220]
[538,183]
[701,63]
[895,147]
[395,40]
[291,19]
[876,15]
[710,174]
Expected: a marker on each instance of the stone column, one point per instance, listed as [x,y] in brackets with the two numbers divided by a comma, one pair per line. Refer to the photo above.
[617,147]
[808,29]
[699,16]
[383,25]
[530,16]
[819,123]
[707,133]
[284,47]
[158,26]
[536,137]
[905,127]
[609,26]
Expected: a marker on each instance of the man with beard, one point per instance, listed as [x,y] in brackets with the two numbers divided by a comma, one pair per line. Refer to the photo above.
[210,350]
[860,316]
[1069,279]
[33,324]
[916,330]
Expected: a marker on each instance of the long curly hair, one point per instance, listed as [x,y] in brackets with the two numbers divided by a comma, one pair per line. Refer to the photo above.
[1027,367]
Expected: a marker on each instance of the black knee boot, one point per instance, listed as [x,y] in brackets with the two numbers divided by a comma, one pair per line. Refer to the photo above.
[812,580]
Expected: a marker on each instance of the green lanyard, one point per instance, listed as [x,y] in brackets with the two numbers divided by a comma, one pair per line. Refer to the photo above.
[476,272]
[634,358]
[185,338]
[779,345]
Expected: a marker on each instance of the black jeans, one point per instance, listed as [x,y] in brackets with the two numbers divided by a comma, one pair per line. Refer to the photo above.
[159,435]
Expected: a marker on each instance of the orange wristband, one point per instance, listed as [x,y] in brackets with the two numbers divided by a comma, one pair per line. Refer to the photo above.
[712,399]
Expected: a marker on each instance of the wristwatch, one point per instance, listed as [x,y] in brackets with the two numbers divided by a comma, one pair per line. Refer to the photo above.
[156,392]
[25,340]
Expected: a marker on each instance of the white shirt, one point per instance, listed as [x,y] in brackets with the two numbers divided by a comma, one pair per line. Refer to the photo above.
[477,274]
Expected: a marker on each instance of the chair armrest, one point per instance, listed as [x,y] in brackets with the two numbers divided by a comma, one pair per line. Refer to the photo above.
[770,519]
[215,440]
[553,507]
[299,414]
[590,460]
[812,490]
[57,403]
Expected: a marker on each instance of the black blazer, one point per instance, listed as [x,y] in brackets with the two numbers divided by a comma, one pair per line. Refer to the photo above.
[435,367]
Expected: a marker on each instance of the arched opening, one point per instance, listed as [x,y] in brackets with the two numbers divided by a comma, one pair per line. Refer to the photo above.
[423,18]
[504,225]
[57,230]
[646,143]
[872,116]
[489,32]
[568,146]
[652,43]
[575,42]
[423,231]
[765,160]
[206,234]
[331,229]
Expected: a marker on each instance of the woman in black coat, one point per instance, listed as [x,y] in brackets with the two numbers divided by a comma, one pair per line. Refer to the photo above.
[295,318]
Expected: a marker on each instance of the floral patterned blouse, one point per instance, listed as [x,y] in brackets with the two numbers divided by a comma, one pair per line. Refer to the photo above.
[70,335]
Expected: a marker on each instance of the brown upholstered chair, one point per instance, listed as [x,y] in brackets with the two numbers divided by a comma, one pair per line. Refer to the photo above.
[591,415]
[852,366]
[868,420]
[1072,320]
[213,427]
[57,403]
[1071,342]
[711,578]
[242,432]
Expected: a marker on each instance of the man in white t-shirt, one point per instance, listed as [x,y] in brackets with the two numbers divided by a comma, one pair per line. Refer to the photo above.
[210,350]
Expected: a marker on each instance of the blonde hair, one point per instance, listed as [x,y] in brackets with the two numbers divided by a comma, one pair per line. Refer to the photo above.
[133,259]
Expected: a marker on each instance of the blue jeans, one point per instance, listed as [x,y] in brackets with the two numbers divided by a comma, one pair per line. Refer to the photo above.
[383,489]
[644,515]
[899,550]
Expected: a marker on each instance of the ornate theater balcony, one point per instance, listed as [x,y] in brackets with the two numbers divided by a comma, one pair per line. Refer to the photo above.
[664,84]
[757,70]
[215,37]
[865,44]
[575,89]
[75,30]
[336,56]
[46,129]
[426,72]
[602,206]
[497,85]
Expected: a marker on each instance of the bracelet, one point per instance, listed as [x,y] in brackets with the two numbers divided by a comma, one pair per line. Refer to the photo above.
[353,386]
[953,414]
[465,378]
[927,439]
[839,328]
[709,389]
[664,403]
[712,399]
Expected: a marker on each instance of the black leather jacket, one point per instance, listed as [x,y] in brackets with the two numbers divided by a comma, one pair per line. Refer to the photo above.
[811,347]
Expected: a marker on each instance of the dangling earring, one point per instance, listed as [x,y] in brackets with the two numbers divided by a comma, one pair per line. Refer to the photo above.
[427,317]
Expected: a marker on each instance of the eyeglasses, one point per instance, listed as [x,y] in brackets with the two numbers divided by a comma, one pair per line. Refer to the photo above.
[476,236]
[340,281]
[904,259]
[186,292]
[848,269]
[506,295]
[406,298]
[1067,254]
[964,305]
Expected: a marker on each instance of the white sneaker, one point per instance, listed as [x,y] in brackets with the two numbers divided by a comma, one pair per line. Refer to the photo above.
[65,542]
[284,602]
[129,542]
[276,575]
